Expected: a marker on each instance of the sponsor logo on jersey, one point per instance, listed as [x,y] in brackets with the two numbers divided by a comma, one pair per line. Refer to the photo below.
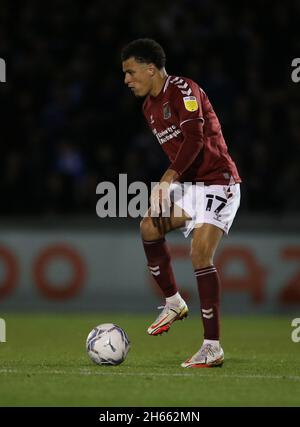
[190,103]
[166,111]
[166,134]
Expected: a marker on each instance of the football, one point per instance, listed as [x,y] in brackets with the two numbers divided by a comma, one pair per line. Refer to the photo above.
[107,344]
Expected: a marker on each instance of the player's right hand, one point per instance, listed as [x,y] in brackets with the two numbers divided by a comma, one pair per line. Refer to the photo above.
[160,200]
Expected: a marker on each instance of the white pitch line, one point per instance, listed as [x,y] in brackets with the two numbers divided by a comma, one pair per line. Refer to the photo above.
[146,374]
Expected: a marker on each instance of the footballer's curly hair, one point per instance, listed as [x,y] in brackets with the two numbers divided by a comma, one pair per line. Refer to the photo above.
[145,50]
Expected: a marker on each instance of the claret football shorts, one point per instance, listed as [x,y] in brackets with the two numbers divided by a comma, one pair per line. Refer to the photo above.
[205,204]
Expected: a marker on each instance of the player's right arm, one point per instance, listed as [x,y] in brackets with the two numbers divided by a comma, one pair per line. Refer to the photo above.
[190,114]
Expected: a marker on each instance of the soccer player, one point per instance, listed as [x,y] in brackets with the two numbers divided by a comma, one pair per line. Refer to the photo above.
[201,187]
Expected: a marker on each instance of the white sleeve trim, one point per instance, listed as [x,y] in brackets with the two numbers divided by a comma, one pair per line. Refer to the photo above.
[188,120]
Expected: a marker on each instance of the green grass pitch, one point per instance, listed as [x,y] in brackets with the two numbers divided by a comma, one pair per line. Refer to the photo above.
[44,363]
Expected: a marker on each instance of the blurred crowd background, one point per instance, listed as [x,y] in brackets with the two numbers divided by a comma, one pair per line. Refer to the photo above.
[68,122]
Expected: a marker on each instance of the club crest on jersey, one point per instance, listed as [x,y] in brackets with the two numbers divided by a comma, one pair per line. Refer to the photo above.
[166,111]
[190,103]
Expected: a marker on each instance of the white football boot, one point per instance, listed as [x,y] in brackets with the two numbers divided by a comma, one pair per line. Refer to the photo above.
[208,356]
[169,315]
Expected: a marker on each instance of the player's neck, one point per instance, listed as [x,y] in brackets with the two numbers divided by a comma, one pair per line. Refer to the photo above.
[159,82]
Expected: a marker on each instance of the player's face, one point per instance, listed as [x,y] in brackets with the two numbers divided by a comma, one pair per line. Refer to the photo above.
[138,76]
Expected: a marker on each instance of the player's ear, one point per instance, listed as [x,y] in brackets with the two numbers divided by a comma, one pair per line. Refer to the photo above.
[151,69]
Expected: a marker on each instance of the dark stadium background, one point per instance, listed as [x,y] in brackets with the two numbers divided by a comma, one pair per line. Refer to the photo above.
[68,122]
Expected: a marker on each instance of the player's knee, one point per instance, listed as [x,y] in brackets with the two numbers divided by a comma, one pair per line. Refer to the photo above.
[148,231]
[202,256]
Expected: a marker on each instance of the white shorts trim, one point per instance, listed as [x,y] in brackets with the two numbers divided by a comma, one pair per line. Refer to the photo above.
[206,204]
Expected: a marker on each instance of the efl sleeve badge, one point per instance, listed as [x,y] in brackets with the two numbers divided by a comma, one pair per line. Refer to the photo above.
[190,103]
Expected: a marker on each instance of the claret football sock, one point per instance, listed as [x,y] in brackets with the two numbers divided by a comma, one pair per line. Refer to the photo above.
[209,292]
[159,263]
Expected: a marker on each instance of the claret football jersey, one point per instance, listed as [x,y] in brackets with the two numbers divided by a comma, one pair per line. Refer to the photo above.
[180,101]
